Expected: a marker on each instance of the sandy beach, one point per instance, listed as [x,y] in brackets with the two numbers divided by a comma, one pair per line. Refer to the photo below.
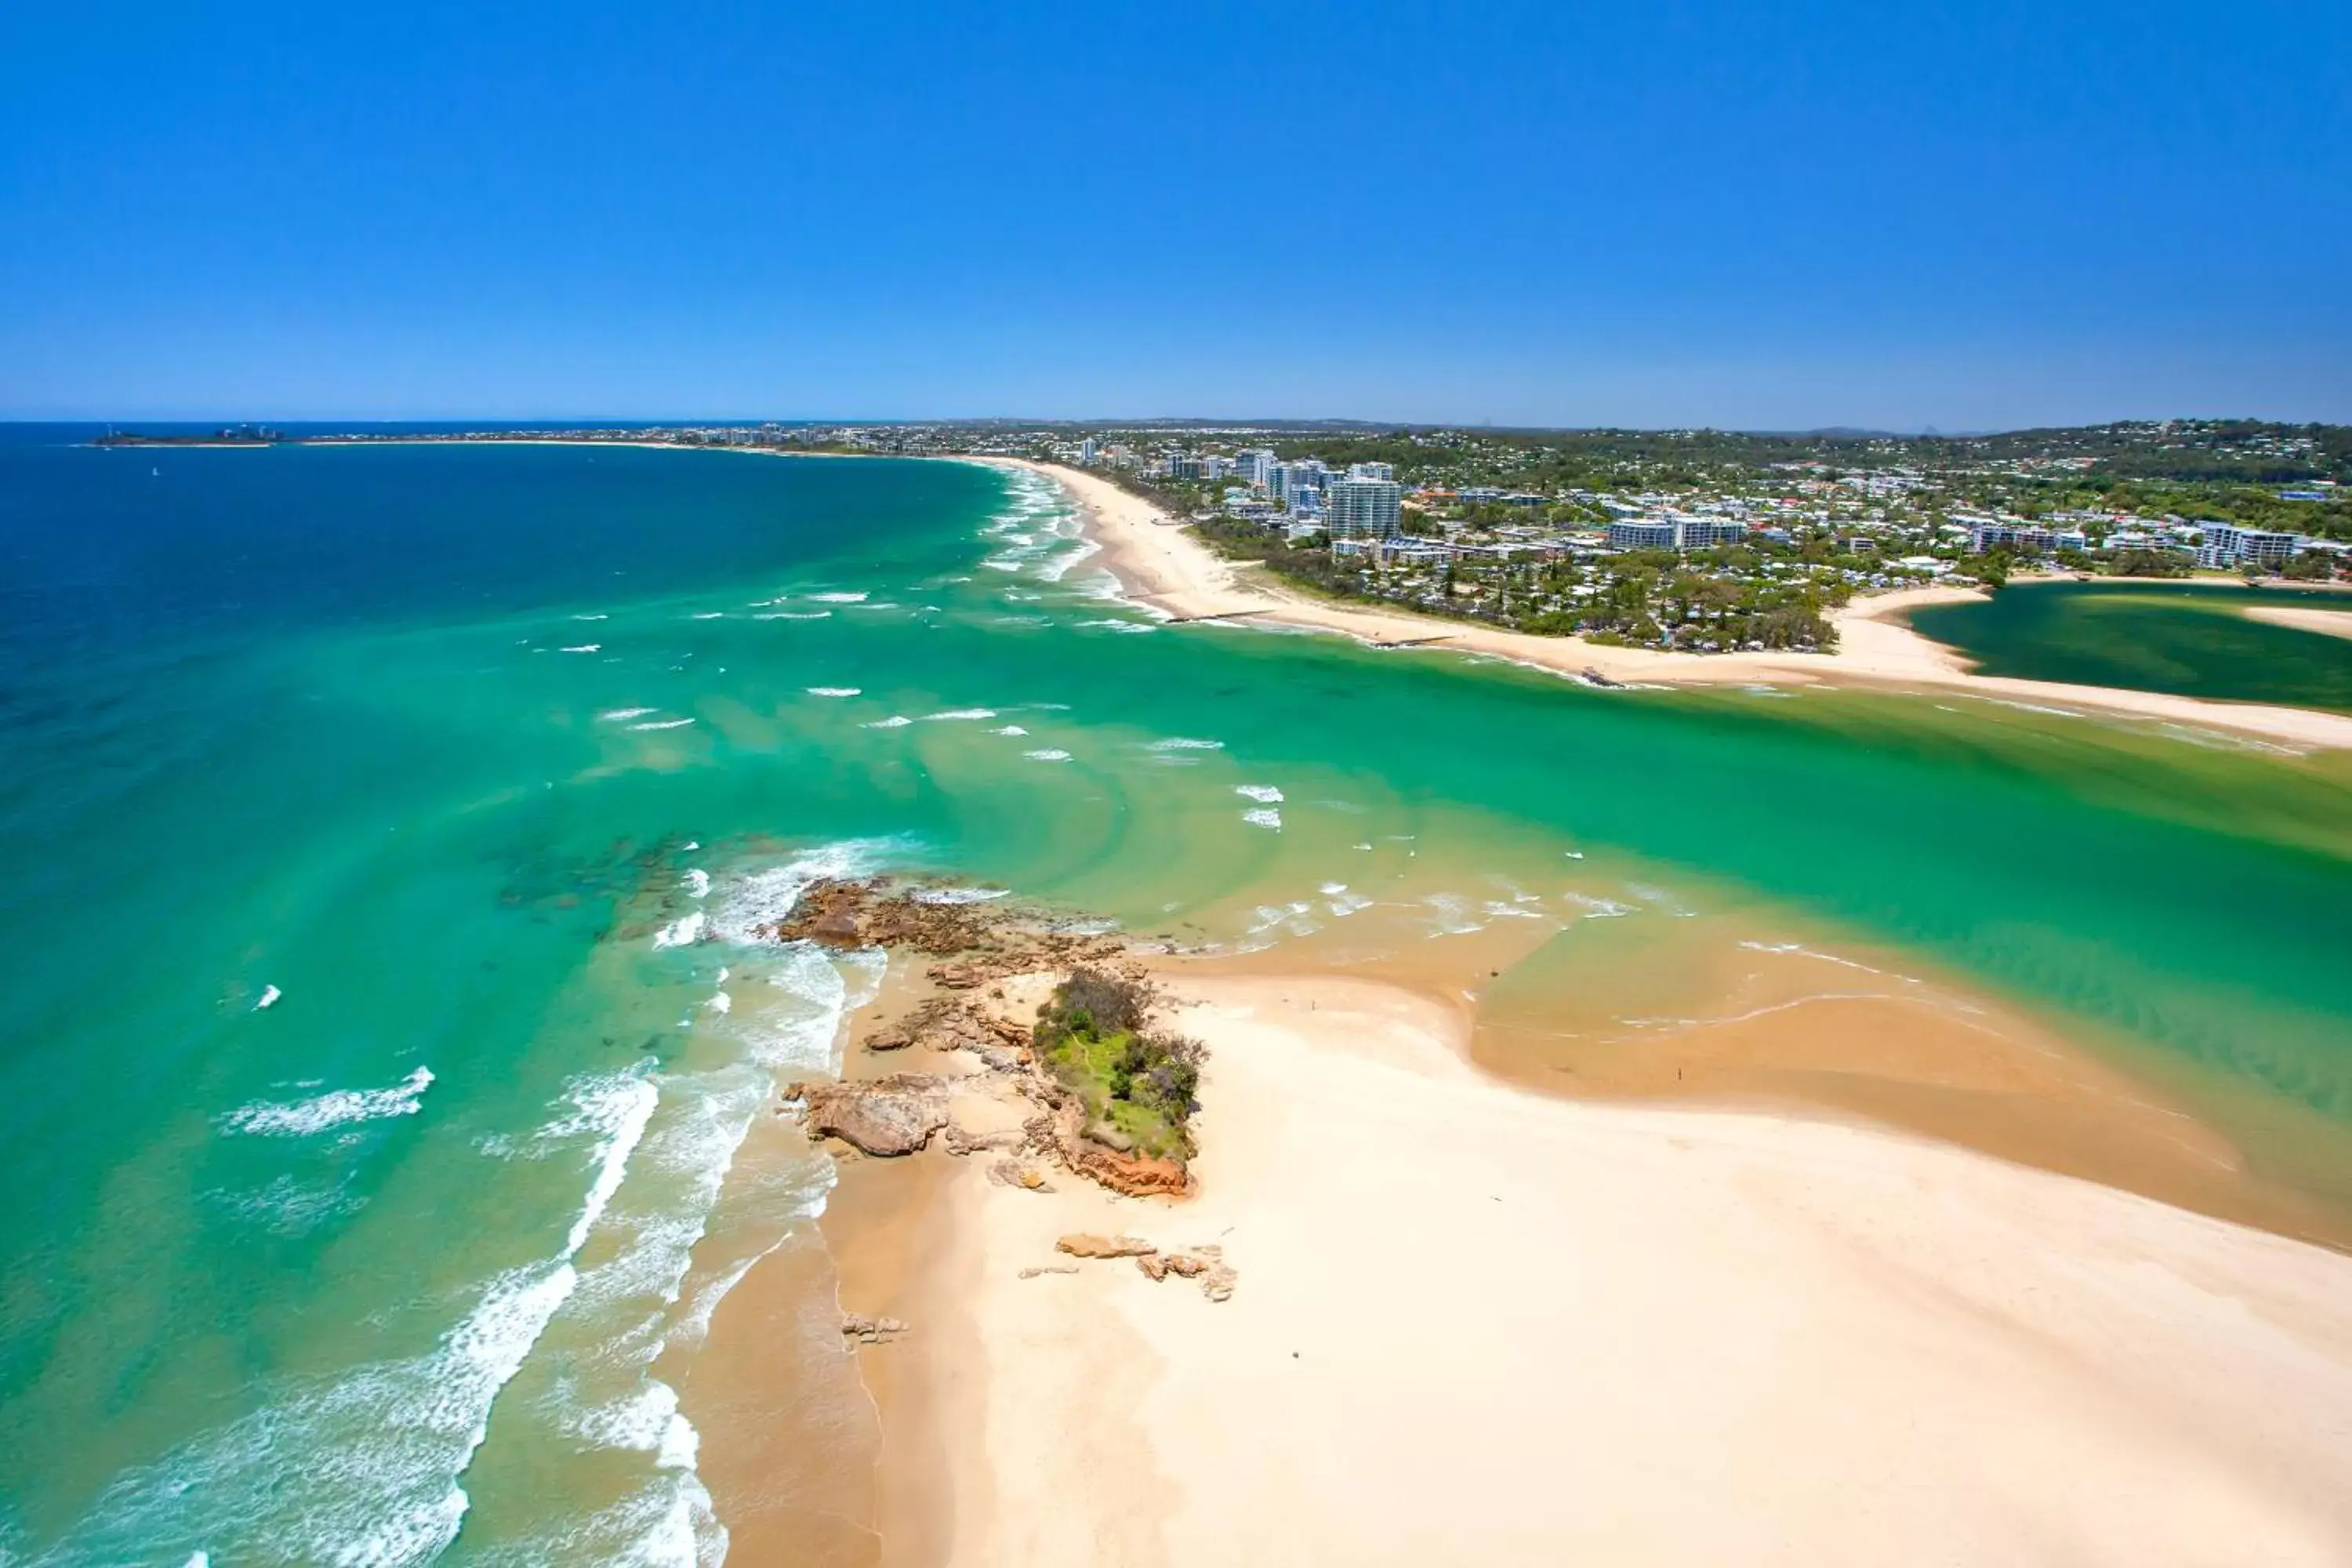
[1165,566]
[1474,1323]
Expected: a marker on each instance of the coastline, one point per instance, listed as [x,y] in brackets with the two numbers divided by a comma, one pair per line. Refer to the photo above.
[1474,1321]
[1163,566]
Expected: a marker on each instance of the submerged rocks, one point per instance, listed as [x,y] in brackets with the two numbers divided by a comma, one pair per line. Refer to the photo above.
[888,1117]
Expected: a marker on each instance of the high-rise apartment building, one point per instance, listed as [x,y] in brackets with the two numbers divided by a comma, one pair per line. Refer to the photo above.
[1366,507]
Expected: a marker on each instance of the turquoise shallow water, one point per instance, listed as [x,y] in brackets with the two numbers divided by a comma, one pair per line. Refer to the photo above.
[483,762]
[2154,637]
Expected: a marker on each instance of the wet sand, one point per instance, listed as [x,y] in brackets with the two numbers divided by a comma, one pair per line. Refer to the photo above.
[1702,1015]
[1163,565]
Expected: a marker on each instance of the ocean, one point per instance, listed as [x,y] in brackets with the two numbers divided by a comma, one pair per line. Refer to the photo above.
[390,1042]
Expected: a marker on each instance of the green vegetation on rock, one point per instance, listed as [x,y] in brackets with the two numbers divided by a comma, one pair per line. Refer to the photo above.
[1137,1084]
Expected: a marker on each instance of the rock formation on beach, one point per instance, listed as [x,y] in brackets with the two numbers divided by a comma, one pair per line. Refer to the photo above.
[980,944]
[890,1117]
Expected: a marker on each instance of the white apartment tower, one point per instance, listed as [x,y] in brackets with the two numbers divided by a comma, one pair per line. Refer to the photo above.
[1365,507]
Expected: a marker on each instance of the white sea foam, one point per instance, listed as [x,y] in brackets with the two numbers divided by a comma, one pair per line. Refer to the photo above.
[1661,898]
[583,648]
[269,998]
[1059,566]
[698,882]
[895,722]
[619,715]
[598,617]
[710,615]
[301,1118]
[693,1326]
[721,1003]
[1047,754]
[839,598]
[381,1445]
[683,931]
[963,713]
[1296,919]
[384,1446]
[1185,743]
[836,690]
[1008,730]
[1266,792]
[290,1207]
[1263,817]
[792,616]
[1451,915]
[1800,950]
[662,724]
[957,895]
[1108,624]
[748,903]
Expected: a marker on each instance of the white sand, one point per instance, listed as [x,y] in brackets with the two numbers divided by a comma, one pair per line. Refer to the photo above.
[2327,623]
[1164,564]
[1477,1325]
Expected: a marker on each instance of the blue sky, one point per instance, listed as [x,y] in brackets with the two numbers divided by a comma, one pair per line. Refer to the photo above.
[1761,216]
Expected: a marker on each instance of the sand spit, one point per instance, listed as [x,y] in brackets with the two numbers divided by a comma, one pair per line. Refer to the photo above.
[1164,565]
[2326,622]
[1404,1313]
[1473,1323]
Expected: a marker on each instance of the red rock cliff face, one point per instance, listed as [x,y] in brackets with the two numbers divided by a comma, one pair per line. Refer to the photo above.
[1129,1174]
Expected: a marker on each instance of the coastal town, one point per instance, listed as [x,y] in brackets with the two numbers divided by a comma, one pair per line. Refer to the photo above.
[1697,541]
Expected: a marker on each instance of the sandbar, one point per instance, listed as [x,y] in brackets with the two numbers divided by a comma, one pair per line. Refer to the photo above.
[1479,1324]
[2326,622]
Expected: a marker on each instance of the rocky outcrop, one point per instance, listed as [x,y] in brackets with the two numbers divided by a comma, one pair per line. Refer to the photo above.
[956,1140]
[1110,1137]
[956,1023]
[977,944]
[861,1330]
[888,1117]
[1013,1173]
[987,940]
[1085,1244]
[1132,1174]
[1207,1264]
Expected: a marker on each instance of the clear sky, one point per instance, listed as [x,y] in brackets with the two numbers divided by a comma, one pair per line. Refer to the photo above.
[1781,216]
